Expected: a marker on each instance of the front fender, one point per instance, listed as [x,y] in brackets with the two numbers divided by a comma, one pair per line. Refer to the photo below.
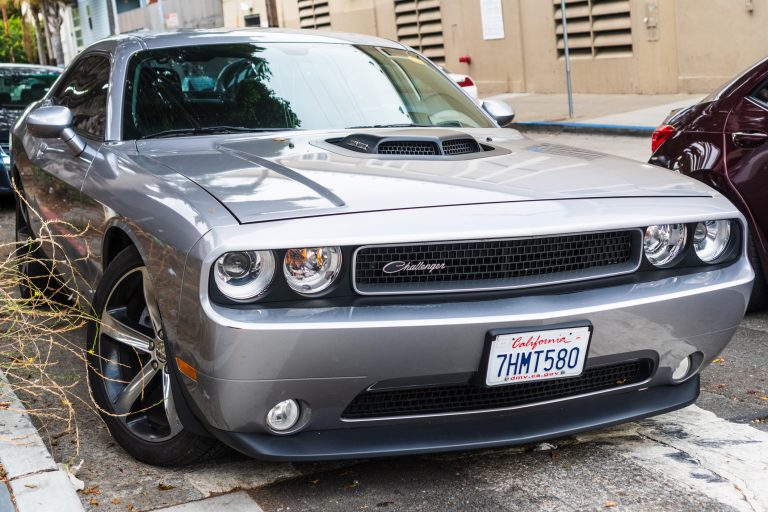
[163,214]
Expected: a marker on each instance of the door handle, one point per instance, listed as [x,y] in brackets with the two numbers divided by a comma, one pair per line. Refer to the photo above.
[749,139]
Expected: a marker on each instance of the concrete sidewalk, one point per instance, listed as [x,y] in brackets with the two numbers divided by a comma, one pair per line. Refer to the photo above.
[33,481]
[632,114]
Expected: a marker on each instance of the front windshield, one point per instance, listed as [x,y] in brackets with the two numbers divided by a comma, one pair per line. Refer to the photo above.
[20,86]
[234,87]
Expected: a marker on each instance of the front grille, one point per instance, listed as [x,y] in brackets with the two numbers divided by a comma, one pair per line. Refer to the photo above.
[469,397]
[460,146]
[408,148]
[491,264]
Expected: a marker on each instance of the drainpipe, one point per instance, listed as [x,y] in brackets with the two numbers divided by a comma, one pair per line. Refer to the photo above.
[113,18]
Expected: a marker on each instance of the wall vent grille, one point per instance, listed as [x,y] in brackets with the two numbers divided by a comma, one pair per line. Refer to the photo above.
[420,26]
[596,28]
[314,14]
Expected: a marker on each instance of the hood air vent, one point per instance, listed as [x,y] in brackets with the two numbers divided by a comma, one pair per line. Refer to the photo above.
[407,147]
[460,146]
[431,144]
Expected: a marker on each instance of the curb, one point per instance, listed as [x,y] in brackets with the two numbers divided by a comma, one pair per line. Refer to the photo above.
[34,480]
[584,128]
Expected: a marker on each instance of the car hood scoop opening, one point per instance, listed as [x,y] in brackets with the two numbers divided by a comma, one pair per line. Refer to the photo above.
[425,143]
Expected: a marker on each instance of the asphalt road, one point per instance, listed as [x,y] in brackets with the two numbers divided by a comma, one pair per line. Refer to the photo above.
[712,456]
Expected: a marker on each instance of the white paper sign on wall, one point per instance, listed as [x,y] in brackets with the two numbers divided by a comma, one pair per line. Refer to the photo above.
[492,18]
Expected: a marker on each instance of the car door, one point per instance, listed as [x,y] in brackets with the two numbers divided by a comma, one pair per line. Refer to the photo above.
[53,181]
[746,153]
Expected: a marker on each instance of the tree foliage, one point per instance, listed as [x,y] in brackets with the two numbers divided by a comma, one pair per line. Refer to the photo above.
[17,47]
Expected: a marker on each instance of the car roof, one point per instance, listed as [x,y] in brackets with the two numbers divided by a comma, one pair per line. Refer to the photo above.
[31,67]
[196,37]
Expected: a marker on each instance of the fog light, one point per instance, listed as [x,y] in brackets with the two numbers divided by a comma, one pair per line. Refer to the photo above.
[284,415]
[682,369]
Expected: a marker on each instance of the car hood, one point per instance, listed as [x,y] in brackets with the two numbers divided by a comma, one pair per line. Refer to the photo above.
[299,174]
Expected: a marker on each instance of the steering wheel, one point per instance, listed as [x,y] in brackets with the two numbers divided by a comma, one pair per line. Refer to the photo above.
[225,82]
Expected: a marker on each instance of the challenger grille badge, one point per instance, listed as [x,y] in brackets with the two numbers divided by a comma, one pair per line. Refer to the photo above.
[393,267]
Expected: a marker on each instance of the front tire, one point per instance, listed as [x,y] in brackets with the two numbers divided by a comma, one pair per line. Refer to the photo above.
[127,370]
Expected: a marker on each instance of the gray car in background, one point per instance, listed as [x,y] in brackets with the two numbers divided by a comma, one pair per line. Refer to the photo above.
[20,86]
[308,245]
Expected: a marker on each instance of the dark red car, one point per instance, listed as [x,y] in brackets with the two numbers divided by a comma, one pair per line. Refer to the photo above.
[722,142]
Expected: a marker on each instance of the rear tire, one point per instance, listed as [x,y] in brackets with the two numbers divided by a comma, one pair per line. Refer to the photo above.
[127,370]
[759,299]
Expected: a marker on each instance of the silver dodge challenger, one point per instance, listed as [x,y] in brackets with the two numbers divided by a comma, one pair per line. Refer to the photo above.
[313,245]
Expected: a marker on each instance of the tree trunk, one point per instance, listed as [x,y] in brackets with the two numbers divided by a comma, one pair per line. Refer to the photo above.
[41,57]
[53,22]
[4,9]
[47,33]
[26,39]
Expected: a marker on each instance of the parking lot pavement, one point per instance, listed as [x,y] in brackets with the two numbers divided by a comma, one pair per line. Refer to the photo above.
[713,456]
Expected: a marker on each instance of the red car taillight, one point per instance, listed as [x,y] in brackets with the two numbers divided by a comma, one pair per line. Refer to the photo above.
[661,134]
[467,82]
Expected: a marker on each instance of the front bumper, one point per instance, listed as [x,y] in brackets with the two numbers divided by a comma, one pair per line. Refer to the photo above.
[326,356]
[518,426]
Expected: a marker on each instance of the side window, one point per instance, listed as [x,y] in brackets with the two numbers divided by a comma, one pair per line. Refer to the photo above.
[84,91]
[761,94]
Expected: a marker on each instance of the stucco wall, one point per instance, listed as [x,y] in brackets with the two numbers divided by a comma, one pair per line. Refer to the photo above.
[717,39]
[235,10]
[190,13]
[685,46]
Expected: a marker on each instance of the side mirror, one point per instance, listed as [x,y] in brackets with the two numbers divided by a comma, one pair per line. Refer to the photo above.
[500,111]
[55,122]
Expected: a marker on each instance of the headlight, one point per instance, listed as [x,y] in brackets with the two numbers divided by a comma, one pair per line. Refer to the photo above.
[312,269]
[663,244]
[244,275]
[711,239]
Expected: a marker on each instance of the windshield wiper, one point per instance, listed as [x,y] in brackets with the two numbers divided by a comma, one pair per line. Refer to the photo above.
[401,125]
[446,124]
[211,130]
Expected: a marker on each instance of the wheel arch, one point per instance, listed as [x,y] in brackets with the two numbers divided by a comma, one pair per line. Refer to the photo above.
[116,239]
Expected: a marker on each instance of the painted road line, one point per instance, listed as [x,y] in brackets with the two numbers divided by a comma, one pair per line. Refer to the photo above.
[725,461]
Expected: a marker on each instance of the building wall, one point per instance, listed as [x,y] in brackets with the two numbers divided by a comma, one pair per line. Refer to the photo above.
[188,13]
[717,39]
[685,46]
[94,20]
[236,10]
[651,68]
[69,42]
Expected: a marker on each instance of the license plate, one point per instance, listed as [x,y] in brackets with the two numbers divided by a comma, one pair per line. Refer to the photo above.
[537,355]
